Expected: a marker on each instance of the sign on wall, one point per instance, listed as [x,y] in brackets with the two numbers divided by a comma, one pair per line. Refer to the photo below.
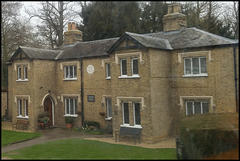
[91,98]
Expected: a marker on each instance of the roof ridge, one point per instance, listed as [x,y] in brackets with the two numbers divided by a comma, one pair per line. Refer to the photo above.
[37,48]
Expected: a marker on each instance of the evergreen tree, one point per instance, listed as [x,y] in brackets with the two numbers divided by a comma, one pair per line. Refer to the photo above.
[152,15]
[109,19]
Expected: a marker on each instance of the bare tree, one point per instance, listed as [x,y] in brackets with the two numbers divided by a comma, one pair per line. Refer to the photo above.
[236,17]
[54,15]
[14,33]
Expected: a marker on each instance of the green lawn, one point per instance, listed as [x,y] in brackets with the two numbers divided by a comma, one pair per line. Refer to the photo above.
[89,149]
[14,136]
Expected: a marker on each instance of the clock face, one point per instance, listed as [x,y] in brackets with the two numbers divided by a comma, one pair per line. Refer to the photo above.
[90,69]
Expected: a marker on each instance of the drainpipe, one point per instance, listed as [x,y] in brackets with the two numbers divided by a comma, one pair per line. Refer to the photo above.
[81,70]
[235,77]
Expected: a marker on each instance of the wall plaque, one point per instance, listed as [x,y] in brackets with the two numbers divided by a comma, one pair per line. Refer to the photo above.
[91,98]
[90,69]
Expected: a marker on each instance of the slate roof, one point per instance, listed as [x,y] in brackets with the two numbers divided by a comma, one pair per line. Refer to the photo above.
[36,53]
[150,41]
[171,40]
[192,38]
[87,49]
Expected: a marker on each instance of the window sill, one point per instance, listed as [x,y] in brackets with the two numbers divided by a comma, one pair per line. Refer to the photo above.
[195,75]
[135,126]
[21,117]
[133,76]
[22,80]
[70,115]
[70,79]
[108,78]
[108,118]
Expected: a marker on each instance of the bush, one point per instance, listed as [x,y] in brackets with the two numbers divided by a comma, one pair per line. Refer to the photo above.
[69,120]
[91,123]
[43,117]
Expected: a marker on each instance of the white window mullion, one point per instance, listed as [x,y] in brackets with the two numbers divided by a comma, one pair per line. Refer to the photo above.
[199,66]
[69,106]
[193,107]
[191,66]
[69,72]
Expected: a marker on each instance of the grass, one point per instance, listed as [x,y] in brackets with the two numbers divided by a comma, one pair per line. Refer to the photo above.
[9,137]
[89,149]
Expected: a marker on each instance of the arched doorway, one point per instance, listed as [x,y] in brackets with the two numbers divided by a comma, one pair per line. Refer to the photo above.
[48,107]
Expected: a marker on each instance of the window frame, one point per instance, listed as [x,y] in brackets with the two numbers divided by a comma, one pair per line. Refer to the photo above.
[25,72]
[109,117]
[67,106]
[67,72]
[193,106]
[26,107]
[22,108]
[123,115]
[19,73]
[19,105]
[134,116]
[191,67]
[122,67]
[132,66]
[108,70]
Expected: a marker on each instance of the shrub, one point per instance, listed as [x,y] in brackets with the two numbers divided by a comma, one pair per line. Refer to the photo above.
[91,123]
[44,119]
[43,116]
[69,120]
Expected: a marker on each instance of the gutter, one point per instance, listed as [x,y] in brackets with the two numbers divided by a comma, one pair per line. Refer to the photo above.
[82,92]
[235,78]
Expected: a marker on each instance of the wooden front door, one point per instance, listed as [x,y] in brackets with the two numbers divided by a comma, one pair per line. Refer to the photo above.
[48,108]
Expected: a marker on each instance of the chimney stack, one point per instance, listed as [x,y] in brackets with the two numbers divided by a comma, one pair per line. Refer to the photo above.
[174,20]
[72,35]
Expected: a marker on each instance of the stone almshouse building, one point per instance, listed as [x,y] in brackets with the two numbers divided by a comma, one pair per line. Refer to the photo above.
[146,81]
